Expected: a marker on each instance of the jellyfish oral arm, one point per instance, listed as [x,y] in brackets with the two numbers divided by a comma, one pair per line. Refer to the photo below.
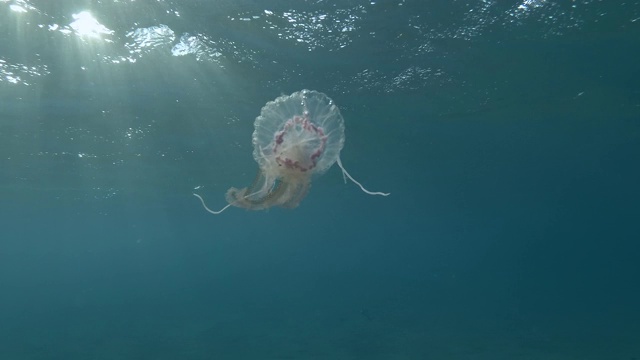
[346,174]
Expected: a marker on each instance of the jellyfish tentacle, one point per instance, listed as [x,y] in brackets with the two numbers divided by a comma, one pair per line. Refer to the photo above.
[226,207]
[209,210]
[345,173]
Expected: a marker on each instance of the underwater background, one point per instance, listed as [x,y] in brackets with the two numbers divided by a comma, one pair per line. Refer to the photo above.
[507,132]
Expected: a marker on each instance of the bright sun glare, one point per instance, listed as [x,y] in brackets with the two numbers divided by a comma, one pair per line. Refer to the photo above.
[85,24]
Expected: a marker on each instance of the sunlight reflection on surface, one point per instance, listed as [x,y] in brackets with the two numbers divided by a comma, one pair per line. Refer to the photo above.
[122,76]
[86,24]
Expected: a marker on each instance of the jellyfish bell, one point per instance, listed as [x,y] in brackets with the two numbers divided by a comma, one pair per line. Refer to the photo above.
[296,137]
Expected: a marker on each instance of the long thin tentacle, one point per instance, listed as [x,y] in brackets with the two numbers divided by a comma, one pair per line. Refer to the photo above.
[224,208]
[209,210]
[345,173]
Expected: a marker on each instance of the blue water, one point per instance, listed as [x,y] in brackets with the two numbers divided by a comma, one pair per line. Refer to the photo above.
[508,134]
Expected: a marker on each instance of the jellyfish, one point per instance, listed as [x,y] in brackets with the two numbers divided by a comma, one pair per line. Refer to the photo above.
[296,137]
